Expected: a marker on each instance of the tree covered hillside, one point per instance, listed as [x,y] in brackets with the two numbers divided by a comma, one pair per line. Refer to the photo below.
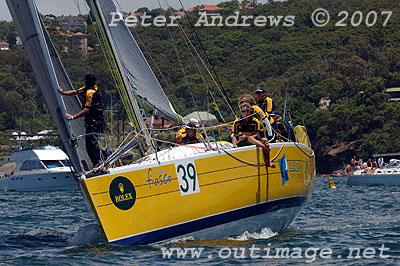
[335,77]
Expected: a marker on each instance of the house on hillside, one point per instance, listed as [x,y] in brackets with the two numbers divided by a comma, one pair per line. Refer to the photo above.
[4,46]
[210,8]
[191,10]
[250,6]
[179,13]
[394,94]
[57,29]
[133,15]
[72,22]
[161,123]
[199,118]
[78,41]
[204,8]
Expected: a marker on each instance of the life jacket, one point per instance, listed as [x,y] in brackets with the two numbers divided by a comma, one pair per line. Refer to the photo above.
[185,138]
[261,115]
[91,99]
[283,129]
[267,105]
[253,126]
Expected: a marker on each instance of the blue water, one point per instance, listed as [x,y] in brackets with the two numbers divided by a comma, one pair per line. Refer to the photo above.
[55,228]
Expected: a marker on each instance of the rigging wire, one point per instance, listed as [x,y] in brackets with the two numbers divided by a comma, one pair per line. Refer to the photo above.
[205,82]
[159,71]
[217,78]
[195,61]
[186,80]
[182,68]
[208,60]
[209,120]
[200,72]
[77,5]
[138,108]
[209,72]
[143,112]
[112,65]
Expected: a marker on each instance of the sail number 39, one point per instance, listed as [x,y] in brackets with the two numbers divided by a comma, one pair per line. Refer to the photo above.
[187,178]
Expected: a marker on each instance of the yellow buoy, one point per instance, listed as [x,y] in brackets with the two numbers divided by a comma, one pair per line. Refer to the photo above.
[331,184]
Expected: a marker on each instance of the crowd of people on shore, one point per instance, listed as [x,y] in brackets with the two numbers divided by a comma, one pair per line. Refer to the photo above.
[368,166]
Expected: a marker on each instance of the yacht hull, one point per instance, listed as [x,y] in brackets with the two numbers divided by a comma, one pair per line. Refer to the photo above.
[54,181]
[207,196]
[376,179]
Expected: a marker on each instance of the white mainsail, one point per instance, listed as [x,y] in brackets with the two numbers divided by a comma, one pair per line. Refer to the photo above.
[134,63]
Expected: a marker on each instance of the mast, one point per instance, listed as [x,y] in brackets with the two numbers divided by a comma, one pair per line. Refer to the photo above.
[48,70]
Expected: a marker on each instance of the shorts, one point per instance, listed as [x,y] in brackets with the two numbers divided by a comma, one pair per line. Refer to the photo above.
[244,142]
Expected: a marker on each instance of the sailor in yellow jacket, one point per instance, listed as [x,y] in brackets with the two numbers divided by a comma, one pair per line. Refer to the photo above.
[261,115]
[92,110]
[188,134]
[265,103]
[247,130]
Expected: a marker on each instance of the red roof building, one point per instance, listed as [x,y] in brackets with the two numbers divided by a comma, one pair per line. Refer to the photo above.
[209,8]
[72,22]
[180,13]
[249,6]
[161,123]
[78,41]
[191,10]
[134,15]
[4,46]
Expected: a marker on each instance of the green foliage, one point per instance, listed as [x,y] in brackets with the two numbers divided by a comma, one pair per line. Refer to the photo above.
[142,10]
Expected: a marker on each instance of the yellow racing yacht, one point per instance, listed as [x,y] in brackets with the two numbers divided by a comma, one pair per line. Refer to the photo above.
[206,190]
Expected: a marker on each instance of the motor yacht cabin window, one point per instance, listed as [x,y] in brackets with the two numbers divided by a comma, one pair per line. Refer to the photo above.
[52,163]
[31,165]
[66,163]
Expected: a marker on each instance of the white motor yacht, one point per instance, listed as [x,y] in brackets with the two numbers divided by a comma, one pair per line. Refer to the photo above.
[39,169]
[389,175]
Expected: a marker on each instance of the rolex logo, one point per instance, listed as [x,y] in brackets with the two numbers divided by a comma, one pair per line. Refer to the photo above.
[121,187]
[122,193]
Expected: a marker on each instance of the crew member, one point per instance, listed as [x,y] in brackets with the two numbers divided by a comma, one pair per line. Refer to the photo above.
[265,103]
[92,110]
[188,134]
[281,126]
[246,131]
[261,115]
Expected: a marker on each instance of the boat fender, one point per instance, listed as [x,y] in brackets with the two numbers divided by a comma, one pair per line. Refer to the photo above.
[268,126]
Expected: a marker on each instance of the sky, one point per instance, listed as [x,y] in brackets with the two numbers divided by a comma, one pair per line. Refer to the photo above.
[68,7]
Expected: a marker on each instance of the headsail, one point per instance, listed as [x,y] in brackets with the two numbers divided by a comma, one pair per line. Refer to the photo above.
[49,73]
[136,66]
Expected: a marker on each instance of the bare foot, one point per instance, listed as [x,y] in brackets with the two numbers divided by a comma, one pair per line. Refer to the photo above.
[271,165]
